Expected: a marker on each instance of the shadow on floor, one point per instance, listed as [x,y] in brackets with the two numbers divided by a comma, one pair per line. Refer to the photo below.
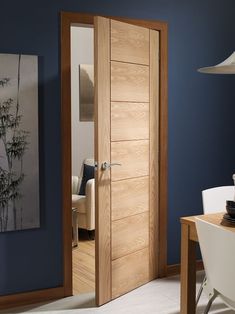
[83,301]
[215,309]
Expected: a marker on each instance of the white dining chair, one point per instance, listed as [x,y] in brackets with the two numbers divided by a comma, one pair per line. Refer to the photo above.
[214,200]
[218,255]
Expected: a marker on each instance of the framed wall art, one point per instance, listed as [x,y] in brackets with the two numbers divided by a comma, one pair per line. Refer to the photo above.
[86,92]
[19,155]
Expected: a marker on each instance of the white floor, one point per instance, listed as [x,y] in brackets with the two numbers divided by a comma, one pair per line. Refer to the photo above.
[161,296]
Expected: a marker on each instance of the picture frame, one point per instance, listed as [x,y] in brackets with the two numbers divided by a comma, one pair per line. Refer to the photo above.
[86,92]
[19,143]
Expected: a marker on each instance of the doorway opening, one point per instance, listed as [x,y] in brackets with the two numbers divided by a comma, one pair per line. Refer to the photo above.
[83,181]
[104,265]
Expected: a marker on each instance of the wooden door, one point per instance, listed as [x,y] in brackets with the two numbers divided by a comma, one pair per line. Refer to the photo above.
[126,131]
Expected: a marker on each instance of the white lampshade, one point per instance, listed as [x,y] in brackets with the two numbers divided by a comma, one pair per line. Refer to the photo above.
[225,67]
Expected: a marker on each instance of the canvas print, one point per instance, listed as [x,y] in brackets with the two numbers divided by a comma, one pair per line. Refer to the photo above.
[19,158]
[86,92]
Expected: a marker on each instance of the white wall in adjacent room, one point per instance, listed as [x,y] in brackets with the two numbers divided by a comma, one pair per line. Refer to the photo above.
[82,52]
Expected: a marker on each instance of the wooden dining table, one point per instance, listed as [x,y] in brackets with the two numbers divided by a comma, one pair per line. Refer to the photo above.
[189,240]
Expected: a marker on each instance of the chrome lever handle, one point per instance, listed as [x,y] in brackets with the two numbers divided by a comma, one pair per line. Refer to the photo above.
[106,165]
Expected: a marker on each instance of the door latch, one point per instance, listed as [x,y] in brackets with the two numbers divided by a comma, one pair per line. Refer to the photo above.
[106,165]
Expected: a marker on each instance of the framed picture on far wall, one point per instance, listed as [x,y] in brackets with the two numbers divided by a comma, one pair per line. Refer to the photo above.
[86,92]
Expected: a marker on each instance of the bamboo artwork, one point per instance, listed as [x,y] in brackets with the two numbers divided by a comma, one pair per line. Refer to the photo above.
[19,164]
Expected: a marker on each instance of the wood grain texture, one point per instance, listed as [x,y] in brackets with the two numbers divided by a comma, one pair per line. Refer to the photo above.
[162,27]
[129,197]
[134,159]
[193,234]
[151,24]
[102,153]
[130,272]
[130,234]
[129,121]
[67,18]
[191,222]
[84,267]
[154,155]
[217,219]
[214,218]
[30,297]
[173,270]
[188,272]
[163,154]
[129,82]
[129,43]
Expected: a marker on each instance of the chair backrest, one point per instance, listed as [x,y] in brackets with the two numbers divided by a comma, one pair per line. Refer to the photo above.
[214,199]
[87,161]
[217,247]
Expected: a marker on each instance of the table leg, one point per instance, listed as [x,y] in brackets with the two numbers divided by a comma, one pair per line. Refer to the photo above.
[75,226]
[188,272]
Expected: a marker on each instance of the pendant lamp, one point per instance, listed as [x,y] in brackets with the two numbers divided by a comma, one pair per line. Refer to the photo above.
[225,67]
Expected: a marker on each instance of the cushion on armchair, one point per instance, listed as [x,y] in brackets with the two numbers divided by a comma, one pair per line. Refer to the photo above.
[88,173]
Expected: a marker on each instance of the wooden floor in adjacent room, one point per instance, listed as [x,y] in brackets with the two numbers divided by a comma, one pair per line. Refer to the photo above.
[84,265]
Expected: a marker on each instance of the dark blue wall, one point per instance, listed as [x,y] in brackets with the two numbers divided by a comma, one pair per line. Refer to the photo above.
[201,118]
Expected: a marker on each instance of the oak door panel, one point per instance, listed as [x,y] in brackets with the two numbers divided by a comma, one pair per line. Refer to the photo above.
[129,44]
[134,159]
[128,130]
[129,197]
[102,152]
[130,272]
[130,234]
[129,82]
[129,121]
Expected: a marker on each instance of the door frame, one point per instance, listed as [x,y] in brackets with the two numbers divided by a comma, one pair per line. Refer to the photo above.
[67,19]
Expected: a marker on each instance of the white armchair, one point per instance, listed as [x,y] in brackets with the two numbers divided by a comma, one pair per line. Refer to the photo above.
[85,204]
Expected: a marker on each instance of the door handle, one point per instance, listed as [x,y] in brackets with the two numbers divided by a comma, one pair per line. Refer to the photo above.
[106,165]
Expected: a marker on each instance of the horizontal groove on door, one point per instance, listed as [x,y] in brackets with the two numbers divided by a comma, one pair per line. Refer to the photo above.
[124,179]
[129,44]
[129,121]
[129,197]
[129,82]
[145,211]
[137,139]
[130,272]
[130,234]
[133,157]
[131,102]
[128,62]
